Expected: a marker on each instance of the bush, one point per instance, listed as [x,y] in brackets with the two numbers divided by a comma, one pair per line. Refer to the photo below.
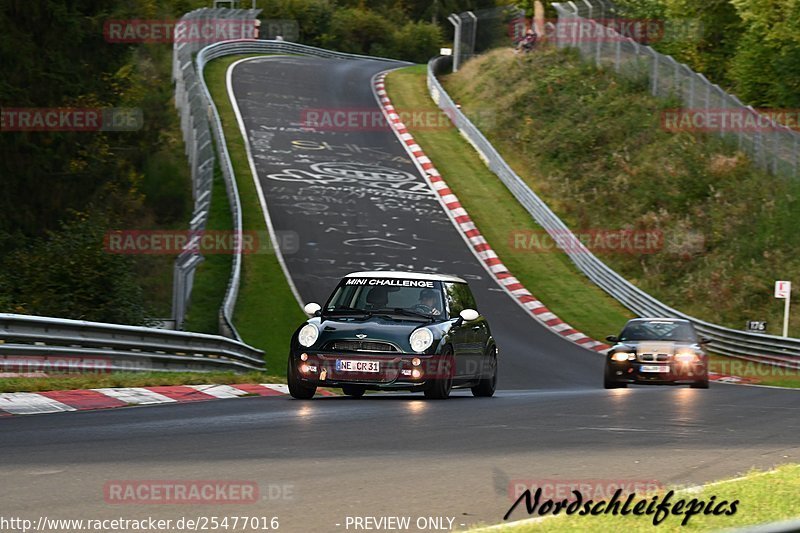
[417,42]
[69,274]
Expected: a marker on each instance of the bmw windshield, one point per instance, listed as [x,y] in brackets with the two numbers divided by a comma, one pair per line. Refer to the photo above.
[406,298]
[658,330]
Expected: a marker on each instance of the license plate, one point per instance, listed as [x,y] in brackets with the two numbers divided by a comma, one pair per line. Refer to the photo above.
[654,368]
[348,365]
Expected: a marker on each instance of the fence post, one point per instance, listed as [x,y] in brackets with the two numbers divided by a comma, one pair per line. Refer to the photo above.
[654,78]
[473,33]
[575,29]
[775,138]
[456,22]
[598,49]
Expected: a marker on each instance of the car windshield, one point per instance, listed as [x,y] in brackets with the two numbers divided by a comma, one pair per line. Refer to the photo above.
[658,330]
[408,298]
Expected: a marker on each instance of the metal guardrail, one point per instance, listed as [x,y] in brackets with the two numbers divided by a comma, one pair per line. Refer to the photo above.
[193,107]
[32,341]
[778,351]
[257,46]
[775,148]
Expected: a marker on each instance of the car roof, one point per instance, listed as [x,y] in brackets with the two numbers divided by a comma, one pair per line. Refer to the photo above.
[405,275]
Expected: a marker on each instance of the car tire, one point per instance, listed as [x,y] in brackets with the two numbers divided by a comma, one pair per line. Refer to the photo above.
[298,389]
[439,389]
[354,391]
[702,384]
[486,386]
[611,384]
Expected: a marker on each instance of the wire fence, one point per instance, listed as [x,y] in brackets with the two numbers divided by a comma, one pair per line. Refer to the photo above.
[586,25]
[484,29]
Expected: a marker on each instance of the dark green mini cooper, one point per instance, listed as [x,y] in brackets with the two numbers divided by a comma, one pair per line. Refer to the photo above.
[394,331]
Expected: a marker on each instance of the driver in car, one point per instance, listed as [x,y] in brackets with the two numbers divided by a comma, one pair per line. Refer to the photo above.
[427,302]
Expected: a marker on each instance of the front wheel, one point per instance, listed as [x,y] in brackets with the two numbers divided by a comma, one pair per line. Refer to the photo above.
[440,387]
[702,384]
[297,388]
[611,384]
[486,386]
[354,391]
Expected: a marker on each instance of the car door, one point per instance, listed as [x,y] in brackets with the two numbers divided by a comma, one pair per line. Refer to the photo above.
[457,296]
[478,337]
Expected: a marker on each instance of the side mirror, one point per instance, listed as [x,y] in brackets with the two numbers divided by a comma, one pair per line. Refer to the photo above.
[612,338]
[468,315]
[312,309]
[705,340]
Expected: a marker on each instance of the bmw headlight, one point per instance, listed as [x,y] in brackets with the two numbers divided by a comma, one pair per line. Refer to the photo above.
[308,335]
[686,357]
[623,356]
[421,339]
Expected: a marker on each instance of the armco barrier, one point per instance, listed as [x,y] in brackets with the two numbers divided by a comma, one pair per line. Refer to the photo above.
[778,351]
[193,104]
[32,341]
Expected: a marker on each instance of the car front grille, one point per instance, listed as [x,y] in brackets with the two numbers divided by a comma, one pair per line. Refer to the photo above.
[361,346]
[653,357]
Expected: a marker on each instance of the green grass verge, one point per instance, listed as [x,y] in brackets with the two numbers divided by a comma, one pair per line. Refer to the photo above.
[763,497]
[133,379]
[755,373]
[266,312]
[550,276]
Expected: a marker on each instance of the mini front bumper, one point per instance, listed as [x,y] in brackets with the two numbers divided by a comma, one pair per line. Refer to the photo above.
[638,372]
[395,371]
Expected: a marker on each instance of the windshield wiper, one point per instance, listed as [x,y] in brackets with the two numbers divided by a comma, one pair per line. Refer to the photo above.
[408,312]
[347,310]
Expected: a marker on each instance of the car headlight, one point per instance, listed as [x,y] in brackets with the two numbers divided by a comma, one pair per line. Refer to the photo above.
[421,339]
[308,335]
[623,356]
[686,357]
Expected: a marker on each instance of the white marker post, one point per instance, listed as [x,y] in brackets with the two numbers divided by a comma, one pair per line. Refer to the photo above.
[783,289]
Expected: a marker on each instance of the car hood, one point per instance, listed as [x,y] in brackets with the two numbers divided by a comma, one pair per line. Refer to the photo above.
[667,347]
[374,328]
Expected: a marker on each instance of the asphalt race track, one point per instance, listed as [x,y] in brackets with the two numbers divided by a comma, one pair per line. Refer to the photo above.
[349,199]
[352,200]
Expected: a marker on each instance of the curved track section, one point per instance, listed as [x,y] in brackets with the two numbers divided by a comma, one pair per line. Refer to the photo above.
[355,202]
